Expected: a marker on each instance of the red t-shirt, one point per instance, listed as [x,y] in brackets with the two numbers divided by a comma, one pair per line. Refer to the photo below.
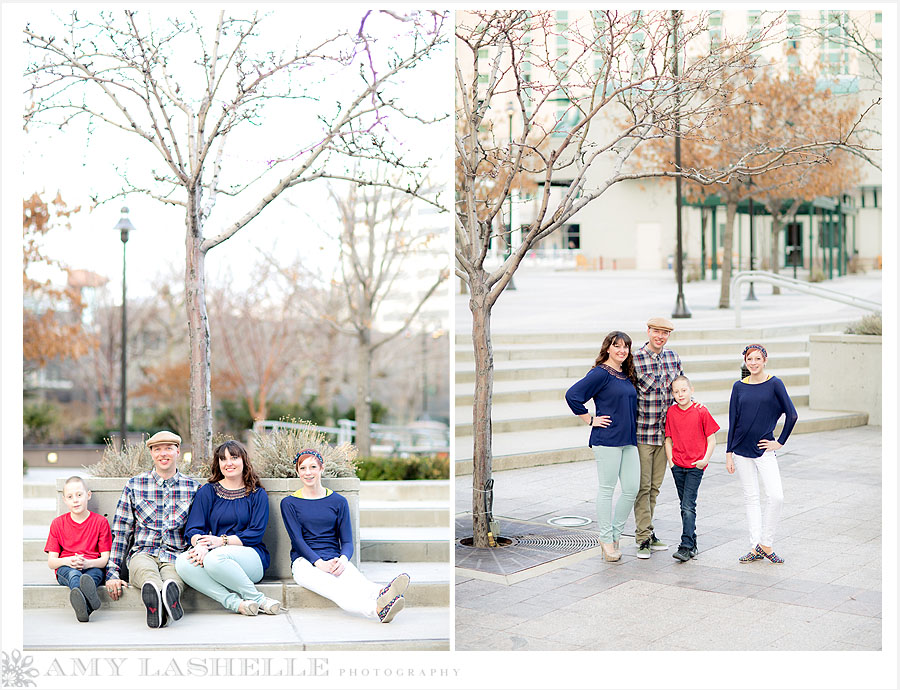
[689,430]
[89,538]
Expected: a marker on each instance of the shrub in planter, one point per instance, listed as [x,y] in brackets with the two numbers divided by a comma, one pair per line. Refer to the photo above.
[384,469]
[870,324]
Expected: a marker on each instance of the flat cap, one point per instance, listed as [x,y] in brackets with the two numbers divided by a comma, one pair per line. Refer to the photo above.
[163,437]
[661,323]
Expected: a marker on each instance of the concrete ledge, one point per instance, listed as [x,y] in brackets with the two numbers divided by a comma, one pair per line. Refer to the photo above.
[845,373]
[289,593]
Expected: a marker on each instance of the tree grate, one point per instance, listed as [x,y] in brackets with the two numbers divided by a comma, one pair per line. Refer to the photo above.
[565,543]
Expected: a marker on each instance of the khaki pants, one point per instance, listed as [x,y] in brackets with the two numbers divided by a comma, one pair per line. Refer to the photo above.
[653,471]
[146,568]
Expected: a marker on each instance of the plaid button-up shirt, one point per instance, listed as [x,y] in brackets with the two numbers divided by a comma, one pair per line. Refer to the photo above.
[655,373]
[154,510]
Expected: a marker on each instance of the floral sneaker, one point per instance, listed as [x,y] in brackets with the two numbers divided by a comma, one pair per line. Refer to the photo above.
[770,556]
[395,606]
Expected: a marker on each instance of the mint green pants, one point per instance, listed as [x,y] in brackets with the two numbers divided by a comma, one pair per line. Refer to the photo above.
[227,575]
[620,464]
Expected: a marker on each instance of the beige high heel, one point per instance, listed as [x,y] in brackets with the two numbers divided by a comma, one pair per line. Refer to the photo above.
[610,554]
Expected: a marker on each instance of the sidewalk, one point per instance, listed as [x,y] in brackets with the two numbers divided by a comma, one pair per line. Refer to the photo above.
[826,596]
[600,301]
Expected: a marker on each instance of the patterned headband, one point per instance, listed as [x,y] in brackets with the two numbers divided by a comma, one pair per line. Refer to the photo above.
[309,451]
[755,347]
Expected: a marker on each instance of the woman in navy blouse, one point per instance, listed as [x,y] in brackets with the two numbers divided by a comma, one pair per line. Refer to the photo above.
[611,385]
[318,522]
[225,528]
[757,403]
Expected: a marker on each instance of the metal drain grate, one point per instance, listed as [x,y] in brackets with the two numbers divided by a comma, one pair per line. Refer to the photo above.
[567,543]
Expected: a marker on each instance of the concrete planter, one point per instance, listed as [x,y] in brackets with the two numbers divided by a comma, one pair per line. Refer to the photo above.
[105,493]
[845,373]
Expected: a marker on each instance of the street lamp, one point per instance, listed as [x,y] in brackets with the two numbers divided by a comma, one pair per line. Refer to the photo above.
[680,311]
[124,226]
[510,111]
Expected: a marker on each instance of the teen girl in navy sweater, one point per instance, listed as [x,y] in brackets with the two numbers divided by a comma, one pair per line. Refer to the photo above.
[318,522]
[757,403]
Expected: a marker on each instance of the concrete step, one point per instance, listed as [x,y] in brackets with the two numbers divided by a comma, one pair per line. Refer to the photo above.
[33,490]
[404,544]
[418,490]
[727,364]
[429,586]
[404,513]
[585,351]
[554,388]
[550,446]
[511,417]
[416,628]
[392,544]
[683,333]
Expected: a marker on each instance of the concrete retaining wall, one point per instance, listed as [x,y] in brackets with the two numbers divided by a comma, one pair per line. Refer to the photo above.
[105,493]
[845,373]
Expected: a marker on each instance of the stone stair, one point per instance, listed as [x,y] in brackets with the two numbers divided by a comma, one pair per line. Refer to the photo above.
[405,527]
[532,425]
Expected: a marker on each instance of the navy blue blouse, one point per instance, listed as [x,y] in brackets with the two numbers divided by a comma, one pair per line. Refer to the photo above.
[614,395]
[753,412]
[244,517]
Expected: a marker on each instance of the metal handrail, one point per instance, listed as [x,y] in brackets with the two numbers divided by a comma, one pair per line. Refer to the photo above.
[742,277]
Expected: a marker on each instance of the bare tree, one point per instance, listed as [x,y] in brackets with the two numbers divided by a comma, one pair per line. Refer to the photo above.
[261,334]
[606,84]
[381,242]
[187,90]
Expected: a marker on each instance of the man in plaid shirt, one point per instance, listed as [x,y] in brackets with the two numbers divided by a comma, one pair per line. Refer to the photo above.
[656,368]
[152,510]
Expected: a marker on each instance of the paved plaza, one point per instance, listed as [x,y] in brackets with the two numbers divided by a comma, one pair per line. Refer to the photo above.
[826,596]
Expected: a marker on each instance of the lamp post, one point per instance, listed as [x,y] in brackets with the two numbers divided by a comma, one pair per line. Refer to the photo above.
[680,311]
[509,111]
[124,226]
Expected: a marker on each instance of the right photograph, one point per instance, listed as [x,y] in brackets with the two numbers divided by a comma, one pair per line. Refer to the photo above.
[668,323]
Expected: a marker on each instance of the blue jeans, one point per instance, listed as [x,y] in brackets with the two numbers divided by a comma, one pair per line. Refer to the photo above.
[687,482]
[70,576]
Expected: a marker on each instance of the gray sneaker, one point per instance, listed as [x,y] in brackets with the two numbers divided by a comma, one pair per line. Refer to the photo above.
[657,545]
[644,549]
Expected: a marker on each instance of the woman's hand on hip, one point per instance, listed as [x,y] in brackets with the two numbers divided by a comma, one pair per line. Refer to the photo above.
[767,445]
[602,421]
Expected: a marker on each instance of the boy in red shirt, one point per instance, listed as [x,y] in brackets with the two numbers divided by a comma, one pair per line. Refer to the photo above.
[690,441]
[78,548]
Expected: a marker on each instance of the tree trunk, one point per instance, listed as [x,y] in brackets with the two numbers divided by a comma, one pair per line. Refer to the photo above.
[727,248]
[481,410]
[198,329]
[773,254]
[363,396]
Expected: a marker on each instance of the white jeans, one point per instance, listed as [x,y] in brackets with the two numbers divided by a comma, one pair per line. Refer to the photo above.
[750,471]
[350,590]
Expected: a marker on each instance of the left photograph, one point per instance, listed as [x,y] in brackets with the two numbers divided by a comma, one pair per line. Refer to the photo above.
[236,330]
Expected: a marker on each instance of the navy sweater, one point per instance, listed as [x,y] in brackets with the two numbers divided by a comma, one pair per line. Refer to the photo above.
[245,518]
[613,395]
[753,412]
[318,527]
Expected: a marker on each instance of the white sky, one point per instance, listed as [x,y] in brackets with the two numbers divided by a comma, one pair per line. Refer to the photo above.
[80,166]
